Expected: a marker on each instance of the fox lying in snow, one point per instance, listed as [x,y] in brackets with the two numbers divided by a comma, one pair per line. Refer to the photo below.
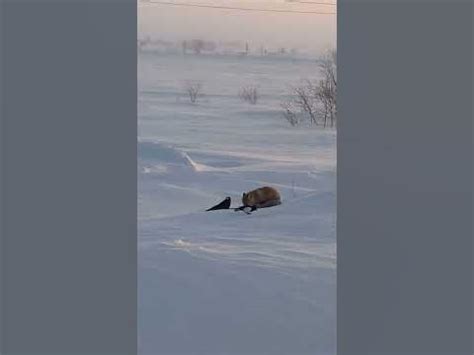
[260,198]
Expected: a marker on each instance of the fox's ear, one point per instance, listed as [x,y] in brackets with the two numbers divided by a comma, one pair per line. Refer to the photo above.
[243,194]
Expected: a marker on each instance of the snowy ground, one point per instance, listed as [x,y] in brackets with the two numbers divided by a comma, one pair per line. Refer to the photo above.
[225,282]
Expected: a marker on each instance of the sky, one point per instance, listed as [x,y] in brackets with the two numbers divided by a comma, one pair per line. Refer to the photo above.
[305,31]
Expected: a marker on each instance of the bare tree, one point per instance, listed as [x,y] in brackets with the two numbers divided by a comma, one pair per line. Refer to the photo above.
[305,99]
[315,100]
[193,90]
[197,45]
[249,94]
[327,88]
[290,113]
[303,104]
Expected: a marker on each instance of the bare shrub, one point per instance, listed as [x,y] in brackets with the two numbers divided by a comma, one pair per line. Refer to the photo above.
[193,90]
[249,94]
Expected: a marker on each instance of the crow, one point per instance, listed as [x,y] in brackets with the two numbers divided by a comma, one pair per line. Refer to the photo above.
[224,205]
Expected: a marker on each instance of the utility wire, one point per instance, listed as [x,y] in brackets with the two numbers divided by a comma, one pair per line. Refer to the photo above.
[235,8]
[311,2]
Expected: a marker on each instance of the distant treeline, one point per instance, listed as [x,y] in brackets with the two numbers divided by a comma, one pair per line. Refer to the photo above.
[199,46]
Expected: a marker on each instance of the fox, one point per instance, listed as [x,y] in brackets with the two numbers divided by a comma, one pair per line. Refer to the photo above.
[260,198]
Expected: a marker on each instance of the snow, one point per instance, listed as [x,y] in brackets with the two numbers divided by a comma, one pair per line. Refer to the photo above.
[225,282]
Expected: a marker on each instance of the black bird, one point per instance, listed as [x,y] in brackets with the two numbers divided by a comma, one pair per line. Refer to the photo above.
[224,205]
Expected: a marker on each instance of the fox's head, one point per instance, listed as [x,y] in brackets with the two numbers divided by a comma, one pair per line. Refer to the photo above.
[247,199]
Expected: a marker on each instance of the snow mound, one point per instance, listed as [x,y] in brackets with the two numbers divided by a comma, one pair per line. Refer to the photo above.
[159,153]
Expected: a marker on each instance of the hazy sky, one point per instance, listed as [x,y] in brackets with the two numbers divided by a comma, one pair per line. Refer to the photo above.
[311,31]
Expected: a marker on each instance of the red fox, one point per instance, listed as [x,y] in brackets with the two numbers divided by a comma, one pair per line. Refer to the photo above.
[260,198]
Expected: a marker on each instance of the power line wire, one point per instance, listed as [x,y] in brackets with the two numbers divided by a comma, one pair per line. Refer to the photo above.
[312,2]
[235,8]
